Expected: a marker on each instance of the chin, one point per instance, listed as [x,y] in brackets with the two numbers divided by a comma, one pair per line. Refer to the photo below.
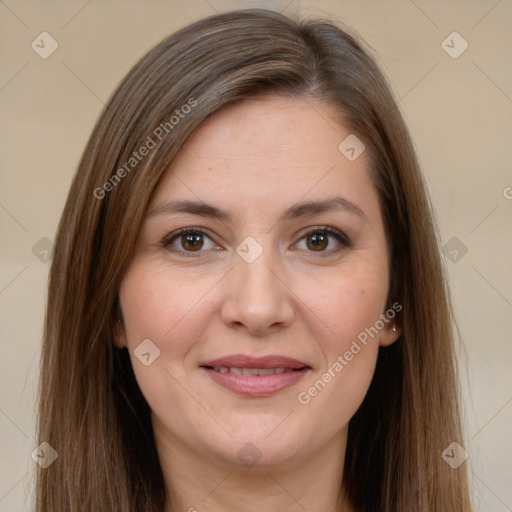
[261,455]
[263,448]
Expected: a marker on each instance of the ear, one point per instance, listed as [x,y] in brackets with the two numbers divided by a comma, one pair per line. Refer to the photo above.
[390,333]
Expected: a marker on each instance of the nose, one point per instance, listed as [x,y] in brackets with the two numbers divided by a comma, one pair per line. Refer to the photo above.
[257,296]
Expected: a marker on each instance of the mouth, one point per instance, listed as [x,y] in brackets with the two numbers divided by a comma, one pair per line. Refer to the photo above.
[255,376]
[251,371]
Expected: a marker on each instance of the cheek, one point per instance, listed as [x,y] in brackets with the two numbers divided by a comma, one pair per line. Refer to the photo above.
[162,308]
[346,303]
[346,314]
[168,311]
[335,396]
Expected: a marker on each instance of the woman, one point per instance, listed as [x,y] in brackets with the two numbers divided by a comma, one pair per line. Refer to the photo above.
[247,308]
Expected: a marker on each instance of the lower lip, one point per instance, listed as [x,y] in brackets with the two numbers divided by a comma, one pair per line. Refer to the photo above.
[256,385]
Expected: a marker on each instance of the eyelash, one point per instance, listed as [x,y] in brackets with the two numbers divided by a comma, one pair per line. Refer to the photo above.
[340,236]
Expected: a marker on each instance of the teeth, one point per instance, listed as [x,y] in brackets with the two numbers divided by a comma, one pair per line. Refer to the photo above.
[250,371]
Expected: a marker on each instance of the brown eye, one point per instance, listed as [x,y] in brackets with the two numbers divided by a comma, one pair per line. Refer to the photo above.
[188,241]
[325,240]
[192,242]
[317,241]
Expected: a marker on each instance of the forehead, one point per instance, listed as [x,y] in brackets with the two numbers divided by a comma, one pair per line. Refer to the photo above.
[270,150]
[267,127]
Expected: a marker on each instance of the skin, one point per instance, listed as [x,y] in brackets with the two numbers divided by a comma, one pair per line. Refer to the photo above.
[257,158]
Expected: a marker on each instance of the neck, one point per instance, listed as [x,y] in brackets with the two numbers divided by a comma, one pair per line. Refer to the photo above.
[309,482]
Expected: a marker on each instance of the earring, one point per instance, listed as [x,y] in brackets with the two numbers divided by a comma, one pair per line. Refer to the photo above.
[394,328]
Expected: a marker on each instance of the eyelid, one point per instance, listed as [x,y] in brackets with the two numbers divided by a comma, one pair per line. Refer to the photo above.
[341,237]
[168,239]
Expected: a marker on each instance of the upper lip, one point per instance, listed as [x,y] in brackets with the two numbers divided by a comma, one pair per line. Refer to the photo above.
[244,361]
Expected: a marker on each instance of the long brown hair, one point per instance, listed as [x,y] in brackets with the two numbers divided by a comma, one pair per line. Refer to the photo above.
[91,410]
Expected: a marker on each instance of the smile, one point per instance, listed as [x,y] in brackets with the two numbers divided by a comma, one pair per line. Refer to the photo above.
[251,371]
[255,377]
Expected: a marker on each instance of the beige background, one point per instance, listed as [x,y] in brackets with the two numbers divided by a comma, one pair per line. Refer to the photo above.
[459,112]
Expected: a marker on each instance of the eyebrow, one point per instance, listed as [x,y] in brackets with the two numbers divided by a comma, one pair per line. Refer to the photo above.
[294,212]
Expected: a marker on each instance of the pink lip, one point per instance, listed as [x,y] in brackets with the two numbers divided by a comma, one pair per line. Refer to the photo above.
[256,385]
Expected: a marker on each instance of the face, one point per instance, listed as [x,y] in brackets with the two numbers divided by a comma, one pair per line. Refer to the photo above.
[259,272]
